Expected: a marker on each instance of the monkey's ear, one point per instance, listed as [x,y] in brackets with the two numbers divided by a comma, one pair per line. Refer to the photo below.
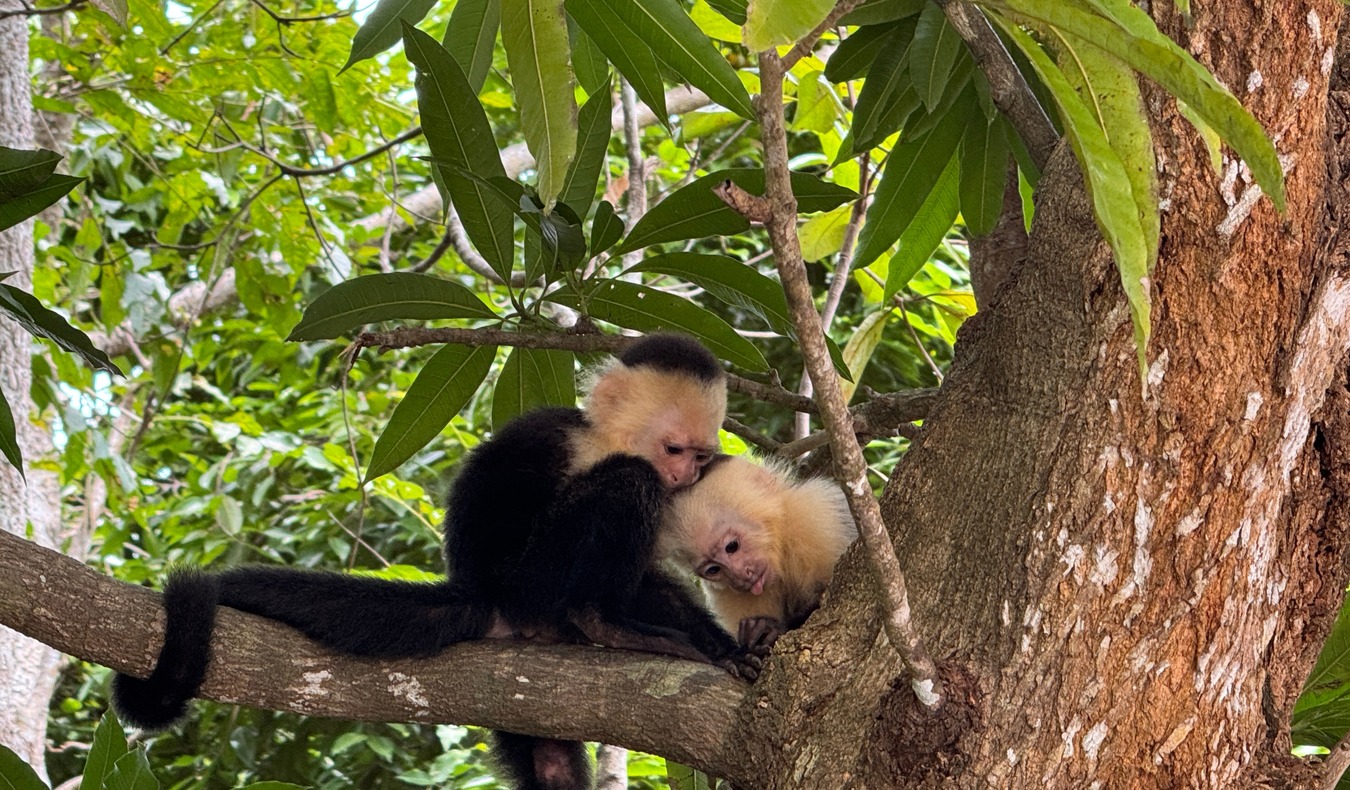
[612,390]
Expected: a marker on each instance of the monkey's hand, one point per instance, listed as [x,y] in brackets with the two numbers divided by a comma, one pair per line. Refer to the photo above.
[745,663]
[759,633]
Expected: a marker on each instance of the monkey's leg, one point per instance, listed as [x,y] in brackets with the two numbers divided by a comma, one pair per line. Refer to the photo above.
[628,637]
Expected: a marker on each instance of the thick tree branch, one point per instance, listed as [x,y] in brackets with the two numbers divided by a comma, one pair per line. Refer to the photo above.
[850,466]
[564,691]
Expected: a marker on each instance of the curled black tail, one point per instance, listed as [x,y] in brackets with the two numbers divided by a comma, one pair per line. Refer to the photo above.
[190,615]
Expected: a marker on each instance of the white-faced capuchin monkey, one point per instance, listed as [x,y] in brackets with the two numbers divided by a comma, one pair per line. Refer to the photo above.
[550,532]
[763,542]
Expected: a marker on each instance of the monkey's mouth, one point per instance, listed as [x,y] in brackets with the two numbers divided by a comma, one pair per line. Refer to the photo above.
[757,586]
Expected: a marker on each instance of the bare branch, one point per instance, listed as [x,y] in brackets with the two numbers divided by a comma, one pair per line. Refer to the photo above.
[1335,764]
[850,466]
[563,691]
[30,11]
[752,207]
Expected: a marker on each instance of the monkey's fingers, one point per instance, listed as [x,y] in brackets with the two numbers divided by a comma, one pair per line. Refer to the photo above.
[760,632]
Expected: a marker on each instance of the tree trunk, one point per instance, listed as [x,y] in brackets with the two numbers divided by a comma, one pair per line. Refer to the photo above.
[1137,575]
[28,669]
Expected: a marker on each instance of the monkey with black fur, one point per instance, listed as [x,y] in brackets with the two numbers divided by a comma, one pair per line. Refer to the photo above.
[763,543]
[551,531]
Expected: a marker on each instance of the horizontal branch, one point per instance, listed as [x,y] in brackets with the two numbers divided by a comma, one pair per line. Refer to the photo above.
[684,710]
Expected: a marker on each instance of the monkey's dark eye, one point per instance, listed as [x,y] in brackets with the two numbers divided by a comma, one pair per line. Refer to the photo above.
[733,546]
[674,449]
[711,571]
[703,458]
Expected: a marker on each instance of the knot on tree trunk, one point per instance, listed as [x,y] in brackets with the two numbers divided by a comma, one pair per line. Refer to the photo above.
[913,746]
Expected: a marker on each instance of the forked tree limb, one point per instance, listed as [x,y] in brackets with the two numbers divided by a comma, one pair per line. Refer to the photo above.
[564,691]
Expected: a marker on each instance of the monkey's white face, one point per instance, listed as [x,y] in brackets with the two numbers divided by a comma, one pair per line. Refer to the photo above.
[734,557]
[679,448]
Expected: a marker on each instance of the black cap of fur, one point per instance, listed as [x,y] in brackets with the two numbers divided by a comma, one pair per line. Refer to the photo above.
[673,353]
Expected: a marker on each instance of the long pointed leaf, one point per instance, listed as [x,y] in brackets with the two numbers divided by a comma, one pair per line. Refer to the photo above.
[41,322]
[471,36]
[664,27]
[932,55]
[396,296]
[984,175]
[531,378]
[646,309]
[21,170]
[694,211]
[1131,35]
[593,133]
[853,57]
[629,53]
[925,231]
[460,139]
[110,743]
[887,97]
[728,280]
[769,23]
[534,33]
[911,170]
[383,28]
[445,384]
[9,438]
[17,209]
[1108,183]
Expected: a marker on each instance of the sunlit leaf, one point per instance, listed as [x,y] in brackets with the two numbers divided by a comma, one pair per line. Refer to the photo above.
[769,23]
[860,347]
[534,34]
[396,296]
[735,10]
[447,382]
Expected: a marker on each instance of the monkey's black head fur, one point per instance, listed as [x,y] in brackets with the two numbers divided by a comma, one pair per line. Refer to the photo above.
[673,353]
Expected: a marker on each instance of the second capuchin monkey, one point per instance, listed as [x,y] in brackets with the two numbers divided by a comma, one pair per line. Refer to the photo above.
[550,532]
[763,542]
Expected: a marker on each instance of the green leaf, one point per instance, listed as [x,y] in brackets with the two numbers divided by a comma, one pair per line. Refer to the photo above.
[22,170]
[911,170]
[606,228]
[664,27]
[682,777]
[925,231]
[588,61]
[630,55]
[1131,35]
[270,785]
[593,135]
[714,24]
[1109,88]
[396,296]
[9,440]
[533,377]
[728,280]
[735,10]
[110,743]
[645,309]
[117,9]
[887,97]
[854,55]
[534,34]
[817,106]
[876,12]
[823,235]
[769,23]
[932,55]
[460,139]
[19,208]
[471,36]
[1108,184]
[860,347]
[563,243]
[131,772]
[984,176]
[15,774]
[383,27]
[41,322]
[693,211]
[447,382]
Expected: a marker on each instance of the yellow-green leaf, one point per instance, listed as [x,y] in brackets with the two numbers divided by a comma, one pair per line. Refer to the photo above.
[769,23]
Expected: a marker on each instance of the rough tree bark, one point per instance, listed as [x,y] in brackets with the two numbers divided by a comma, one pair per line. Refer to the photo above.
[1126,581]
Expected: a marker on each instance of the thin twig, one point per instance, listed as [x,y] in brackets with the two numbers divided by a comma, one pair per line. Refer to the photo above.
[850,466]
[59,9]
[751,435]
[282,19]
[805,45]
